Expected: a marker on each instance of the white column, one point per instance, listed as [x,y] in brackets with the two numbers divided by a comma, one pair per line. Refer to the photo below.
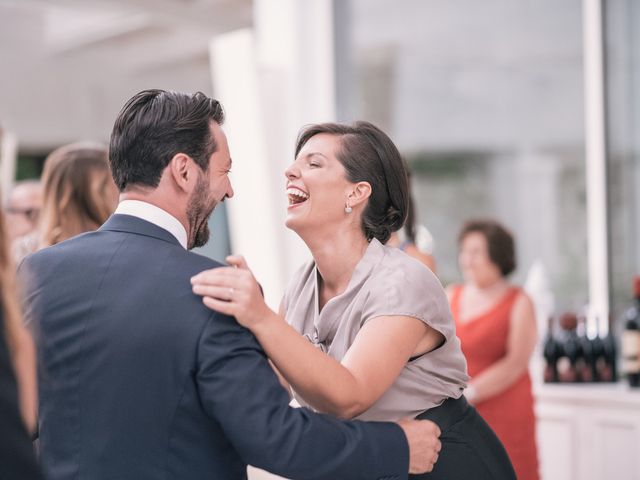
[295,44]
[596,165]
[8,155]
[252,220]
[272,80]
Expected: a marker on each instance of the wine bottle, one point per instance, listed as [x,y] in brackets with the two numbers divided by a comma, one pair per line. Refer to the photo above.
[585,365]
[630,341]
[599,368]
[551,351]
[608,369]
[571,351]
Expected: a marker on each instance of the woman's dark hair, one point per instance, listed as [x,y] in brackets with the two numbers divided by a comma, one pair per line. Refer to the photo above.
[155,125]
[500,242]
[410,222]
[369,155]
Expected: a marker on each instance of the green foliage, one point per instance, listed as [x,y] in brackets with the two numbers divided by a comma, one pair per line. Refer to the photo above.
[444,163]
[29,166]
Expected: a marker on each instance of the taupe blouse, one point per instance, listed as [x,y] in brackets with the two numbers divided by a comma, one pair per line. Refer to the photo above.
[386,281]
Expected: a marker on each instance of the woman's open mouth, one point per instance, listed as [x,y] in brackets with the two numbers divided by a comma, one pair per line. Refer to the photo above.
[296,196]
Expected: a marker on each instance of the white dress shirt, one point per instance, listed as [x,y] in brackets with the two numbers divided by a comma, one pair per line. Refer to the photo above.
[155,215]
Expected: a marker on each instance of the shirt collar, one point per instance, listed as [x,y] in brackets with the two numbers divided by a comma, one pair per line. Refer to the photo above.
[155,215]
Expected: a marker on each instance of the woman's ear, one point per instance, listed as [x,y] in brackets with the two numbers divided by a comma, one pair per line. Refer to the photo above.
[360,193]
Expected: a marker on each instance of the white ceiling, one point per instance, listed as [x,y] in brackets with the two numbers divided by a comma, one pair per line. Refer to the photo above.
[68,66]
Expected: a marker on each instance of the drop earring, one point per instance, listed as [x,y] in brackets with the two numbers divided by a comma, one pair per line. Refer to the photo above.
[348,209]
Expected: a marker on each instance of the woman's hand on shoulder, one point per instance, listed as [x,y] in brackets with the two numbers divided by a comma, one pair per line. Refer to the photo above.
[233,291]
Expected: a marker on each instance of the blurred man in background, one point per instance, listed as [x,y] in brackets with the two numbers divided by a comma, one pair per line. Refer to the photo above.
[23,207]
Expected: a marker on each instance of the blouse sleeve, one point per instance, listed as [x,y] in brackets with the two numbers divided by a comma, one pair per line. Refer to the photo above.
[408,288]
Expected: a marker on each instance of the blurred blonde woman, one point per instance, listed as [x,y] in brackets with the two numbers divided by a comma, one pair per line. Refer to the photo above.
[79,193]
[17,377]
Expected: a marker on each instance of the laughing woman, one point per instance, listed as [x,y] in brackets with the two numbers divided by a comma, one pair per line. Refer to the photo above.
[364,331]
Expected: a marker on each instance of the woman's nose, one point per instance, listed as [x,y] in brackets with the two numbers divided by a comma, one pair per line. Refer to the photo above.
[292,171]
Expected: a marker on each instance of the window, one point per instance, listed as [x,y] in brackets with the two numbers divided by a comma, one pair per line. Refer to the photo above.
[485,100]
[622,50]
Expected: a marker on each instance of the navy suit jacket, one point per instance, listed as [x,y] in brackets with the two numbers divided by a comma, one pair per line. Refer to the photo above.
[139,380]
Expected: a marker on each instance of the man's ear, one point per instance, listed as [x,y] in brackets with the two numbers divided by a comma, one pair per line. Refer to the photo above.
[360,193]
[181,169]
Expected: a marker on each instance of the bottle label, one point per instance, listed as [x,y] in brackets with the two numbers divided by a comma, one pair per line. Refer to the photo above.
[630,344]
[630,365]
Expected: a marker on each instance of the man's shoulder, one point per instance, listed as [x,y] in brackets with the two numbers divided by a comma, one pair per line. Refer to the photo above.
[95,250]
[194,262]
[43,256]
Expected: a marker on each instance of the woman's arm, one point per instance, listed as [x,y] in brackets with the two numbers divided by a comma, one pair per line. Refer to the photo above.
[24,362]
[380,350]
[281,379]
[520,345]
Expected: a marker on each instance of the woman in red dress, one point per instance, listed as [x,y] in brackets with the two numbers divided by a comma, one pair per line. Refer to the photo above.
[496,325]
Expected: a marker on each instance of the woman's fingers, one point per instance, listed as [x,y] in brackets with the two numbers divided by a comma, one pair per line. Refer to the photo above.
[237,261]
[229,290]
[217,276]
[218,292]
[227,308]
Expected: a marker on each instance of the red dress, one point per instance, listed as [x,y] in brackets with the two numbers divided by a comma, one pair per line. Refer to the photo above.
[510,413]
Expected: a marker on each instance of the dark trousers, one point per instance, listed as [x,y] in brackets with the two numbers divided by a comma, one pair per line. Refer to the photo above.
[470,449]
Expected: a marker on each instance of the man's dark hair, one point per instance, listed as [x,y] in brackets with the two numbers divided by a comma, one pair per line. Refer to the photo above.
[502,251]
[155,125]
[369,155]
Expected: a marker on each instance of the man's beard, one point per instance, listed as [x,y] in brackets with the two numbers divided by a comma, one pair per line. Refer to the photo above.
[198,211]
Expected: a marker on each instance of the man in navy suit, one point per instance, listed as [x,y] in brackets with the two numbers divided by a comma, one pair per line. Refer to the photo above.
[138,379]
